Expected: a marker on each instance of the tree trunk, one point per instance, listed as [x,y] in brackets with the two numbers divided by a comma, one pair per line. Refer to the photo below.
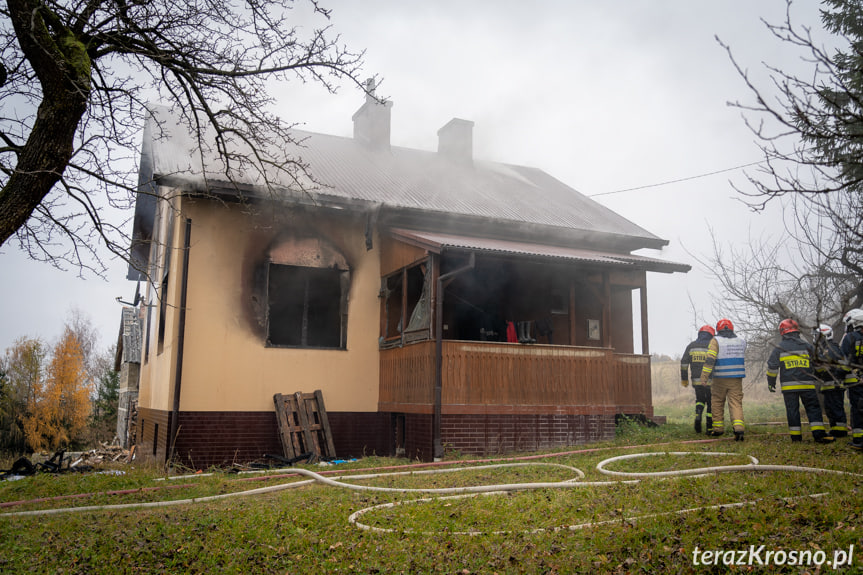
[62,66]
[41,162]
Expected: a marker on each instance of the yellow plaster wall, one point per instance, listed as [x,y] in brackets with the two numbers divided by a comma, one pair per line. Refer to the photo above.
[226,364]
[157,369]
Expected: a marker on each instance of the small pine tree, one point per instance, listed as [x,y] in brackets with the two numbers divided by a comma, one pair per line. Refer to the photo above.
[103,421]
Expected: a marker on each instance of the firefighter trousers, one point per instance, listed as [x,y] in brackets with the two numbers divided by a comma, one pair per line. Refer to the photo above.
[731,389]
[855,398]
[834,405]
[702,400]
[809,398]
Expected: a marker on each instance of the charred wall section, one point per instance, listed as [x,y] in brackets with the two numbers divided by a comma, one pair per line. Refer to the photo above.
[294,238]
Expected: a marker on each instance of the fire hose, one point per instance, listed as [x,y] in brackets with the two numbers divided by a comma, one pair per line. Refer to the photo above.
[471,491]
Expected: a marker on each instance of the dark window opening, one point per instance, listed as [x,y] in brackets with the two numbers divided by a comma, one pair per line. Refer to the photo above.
[155,438]
[306,307]
[163,288]
[163,310]
[398,421]
[147,334]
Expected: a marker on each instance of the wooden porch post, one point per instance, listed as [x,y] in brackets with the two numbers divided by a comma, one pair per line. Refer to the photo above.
[404,310]
[606,310]
[645,345]
[441,283]
[572,325]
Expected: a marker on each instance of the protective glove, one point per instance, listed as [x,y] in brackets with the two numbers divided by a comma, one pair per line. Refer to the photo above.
[771,385]
[684,382]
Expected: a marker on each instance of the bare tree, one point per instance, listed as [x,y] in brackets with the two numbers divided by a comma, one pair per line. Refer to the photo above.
[809,129]
[76,77]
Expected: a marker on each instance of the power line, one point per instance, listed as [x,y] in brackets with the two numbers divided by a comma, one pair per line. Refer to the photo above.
[676,181]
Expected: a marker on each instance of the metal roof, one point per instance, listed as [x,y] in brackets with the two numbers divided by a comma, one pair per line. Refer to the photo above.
[438,242]
[421,180]
[349,173]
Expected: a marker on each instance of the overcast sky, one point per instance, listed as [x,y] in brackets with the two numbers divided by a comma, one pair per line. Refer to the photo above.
[604,96]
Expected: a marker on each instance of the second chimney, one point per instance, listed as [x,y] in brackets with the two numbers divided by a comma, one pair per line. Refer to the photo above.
[455,140]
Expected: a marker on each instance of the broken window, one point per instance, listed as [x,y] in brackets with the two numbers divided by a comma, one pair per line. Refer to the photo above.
[418,298]
[307,306]
[407,304]
[393,305]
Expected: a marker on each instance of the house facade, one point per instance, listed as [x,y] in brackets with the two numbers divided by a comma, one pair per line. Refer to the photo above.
[437,301]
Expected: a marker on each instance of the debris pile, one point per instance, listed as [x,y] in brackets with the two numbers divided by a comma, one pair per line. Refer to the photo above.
[105,453]
[62,462]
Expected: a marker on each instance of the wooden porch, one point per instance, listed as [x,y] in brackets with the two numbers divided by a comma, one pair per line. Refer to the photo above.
[510,378]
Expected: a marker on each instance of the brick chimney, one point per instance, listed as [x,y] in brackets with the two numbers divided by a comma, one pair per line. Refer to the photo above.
[455,140]
[372,120]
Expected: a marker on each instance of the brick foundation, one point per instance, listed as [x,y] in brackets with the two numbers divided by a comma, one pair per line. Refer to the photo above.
[493,434]
[223,438]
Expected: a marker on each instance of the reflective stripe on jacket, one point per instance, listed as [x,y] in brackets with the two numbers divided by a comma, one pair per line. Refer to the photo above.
[791,361]
[852,349]
[729,356]
[828,364]
[694,356]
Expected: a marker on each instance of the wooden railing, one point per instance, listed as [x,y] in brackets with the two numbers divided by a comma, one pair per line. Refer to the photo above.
[632,389]
[485,377]
[407,378]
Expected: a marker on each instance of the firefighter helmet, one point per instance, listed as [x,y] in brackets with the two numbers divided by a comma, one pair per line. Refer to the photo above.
[724,324]
[788,326]
[854,318]
[824,331]
[708,328]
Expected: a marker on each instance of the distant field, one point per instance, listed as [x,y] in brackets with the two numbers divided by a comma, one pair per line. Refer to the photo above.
[677,403]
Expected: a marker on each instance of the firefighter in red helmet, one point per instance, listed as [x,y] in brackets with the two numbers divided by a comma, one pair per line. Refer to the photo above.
[791,362]
[692,361]
[724,371]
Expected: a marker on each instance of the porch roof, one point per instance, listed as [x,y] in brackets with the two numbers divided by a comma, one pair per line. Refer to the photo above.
[437,242]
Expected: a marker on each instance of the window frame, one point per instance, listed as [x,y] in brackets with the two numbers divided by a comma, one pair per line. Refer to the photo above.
[308,277]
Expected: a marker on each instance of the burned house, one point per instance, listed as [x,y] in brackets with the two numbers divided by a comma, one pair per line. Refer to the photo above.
[436,300]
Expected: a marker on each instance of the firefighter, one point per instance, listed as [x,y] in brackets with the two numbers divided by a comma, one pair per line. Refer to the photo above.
[852,348]
[693,360]
[725,367]
[830,371]
[791,361]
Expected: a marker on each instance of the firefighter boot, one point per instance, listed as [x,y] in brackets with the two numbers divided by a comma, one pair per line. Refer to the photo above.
[738,436]
[698,423]
[822,437]
[796,439]
[708,424]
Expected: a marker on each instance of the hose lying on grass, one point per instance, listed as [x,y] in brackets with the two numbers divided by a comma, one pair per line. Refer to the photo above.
[468,490]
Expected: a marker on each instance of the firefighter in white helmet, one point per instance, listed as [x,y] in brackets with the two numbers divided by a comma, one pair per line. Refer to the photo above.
[852,347]
[829,369]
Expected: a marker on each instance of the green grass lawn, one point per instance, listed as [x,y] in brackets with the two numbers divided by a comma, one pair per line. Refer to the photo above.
[610,528]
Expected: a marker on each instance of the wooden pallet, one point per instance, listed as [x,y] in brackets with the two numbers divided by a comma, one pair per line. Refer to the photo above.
[303,425]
